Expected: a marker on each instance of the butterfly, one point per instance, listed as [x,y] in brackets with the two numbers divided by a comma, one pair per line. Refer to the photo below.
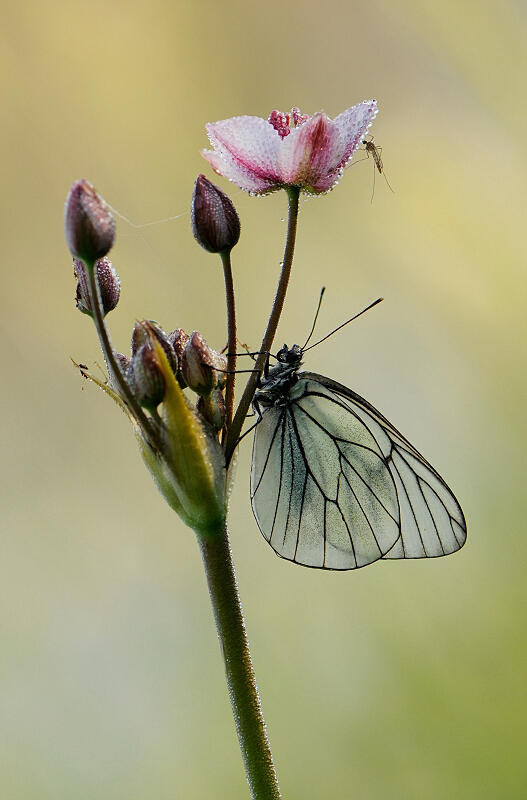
[334,485]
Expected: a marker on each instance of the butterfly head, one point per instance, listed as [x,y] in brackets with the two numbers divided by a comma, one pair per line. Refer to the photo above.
[292,356]
[275,384]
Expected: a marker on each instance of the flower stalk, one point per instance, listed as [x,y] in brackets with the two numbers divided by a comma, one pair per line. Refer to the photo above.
[239,672]
[293,195]
[232,340]
[108,351]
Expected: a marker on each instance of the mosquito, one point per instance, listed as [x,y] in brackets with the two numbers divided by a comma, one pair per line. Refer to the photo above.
[375,152]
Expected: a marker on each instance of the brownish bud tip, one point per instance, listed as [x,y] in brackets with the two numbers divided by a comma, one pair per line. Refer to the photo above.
[178,339]
[144,331]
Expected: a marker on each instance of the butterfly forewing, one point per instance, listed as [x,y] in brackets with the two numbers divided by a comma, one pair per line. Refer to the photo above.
[334,485]
[321,491]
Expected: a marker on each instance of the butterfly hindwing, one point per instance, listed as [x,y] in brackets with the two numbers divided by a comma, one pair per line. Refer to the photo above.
[432,522]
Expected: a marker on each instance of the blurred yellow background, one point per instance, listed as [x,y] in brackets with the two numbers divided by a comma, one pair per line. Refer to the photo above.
[403,681]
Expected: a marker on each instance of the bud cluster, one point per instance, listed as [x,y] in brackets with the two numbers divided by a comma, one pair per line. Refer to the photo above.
[191,360]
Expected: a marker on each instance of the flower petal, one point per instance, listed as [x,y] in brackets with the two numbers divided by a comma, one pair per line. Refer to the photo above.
[304,153]
[348,130]
[352,125]
[249,147]
[239,176]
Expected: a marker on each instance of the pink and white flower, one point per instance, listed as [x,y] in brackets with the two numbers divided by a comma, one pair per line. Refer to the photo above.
[263,155]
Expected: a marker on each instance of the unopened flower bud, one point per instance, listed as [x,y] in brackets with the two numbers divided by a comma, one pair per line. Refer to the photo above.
[142,333]
[220,366]
[213,409]
[178,339]
[109,285]
[145,378]
[215,222]
[88,223]
[123,362]
[203,369]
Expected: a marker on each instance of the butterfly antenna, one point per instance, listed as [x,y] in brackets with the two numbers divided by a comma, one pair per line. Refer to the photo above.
[316,317]
[343,324]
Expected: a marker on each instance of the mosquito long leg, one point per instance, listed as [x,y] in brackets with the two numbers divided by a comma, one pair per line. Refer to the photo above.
[375,152]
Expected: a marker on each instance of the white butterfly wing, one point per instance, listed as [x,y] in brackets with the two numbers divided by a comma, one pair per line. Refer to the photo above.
[334,485]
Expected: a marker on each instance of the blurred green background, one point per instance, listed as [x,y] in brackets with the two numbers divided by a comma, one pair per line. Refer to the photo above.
[404,681]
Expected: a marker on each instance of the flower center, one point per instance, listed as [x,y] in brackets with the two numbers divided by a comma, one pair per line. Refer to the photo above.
[283,123]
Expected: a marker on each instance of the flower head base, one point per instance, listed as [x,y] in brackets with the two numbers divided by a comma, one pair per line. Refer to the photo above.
[178,443]
[262,156]
[187,462]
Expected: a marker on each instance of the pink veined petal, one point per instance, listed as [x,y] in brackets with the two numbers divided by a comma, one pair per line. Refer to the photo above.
[315,154]
[249,143]
[352,126]
[238,175]
[307,152]
[324,183]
